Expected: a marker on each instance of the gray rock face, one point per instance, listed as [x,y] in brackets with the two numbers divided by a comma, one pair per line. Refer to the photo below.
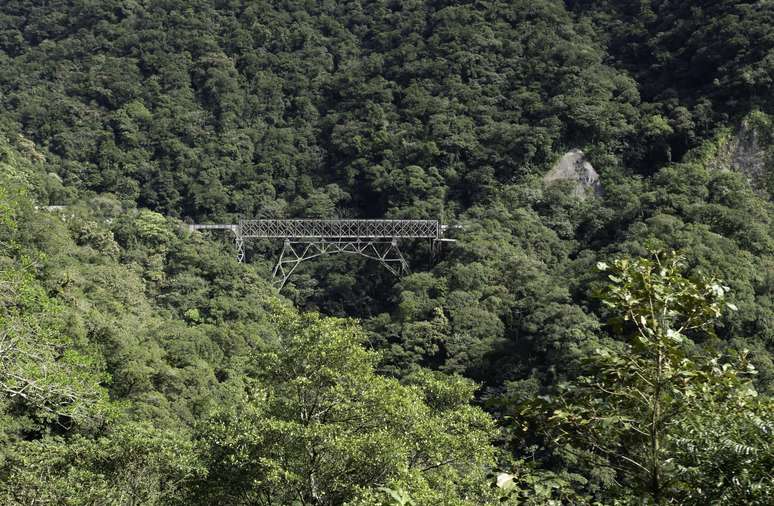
[745,152]
[574,167]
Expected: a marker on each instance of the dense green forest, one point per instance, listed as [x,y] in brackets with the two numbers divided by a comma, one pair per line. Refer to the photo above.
[576,345]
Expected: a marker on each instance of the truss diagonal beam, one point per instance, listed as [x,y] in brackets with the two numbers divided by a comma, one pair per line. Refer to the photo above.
[294,252]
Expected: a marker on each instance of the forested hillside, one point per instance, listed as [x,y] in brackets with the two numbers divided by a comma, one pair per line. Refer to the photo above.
[611,344]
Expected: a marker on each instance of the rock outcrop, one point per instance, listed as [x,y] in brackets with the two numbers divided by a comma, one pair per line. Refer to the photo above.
[574,167]
[746,152]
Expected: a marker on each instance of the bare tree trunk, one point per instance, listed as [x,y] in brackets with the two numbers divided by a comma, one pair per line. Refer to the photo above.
[655,465]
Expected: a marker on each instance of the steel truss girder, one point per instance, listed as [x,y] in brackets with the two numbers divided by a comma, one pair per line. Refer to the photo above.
[294,252]
[340,229]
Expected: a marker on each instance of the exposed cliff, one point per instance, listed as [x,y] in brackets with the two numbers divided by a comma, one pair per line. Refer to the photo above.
[574,167]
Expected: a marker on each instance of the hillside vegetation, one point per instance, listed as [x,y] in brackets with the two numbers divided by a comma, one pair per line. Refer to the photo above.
[612,346]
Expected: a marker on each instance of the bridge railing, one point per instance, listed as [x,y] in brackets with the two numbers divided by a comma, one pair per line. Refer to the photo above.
[341,229]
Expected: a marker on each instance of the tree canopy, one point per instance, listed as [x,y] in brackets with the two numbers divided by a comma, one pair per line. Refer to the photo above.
[141,363]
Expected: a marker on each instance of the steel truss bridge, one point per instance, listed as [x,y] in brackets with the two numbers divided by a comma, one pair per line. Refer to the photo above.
[305,239]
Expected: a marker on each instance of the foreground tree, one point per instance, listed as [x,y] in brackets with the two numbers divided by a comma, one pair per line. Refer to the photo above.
[318,426]
[130,464]
[43,373]
[655,413]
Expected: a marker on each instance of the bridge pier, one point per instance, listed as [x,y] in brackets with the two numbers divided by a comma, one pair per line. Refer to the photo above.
[239,242]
